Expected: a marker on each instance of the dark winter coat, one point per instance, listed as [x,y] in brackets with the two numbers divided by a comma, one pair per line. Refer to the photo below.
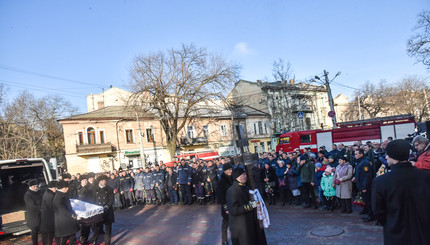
[148,181]
[292,178]
[33,206]
[363,174]
[224,183]
[307,171]
[197,176]
[269,174]
[65,217]
[73,189]
[125,183]
[105,198]
[47,224]
[243,223]
[158,178]
[184,174]
[113,183]
[170,180]
[85,194]
[400,202]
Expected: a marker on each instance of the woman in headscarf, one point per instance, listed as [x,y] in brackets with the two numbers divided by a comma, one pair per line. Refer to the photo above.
[343,181]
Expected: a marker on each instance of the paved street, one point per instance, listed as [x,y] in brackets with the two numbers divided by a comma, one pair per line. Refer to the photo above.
[201,225]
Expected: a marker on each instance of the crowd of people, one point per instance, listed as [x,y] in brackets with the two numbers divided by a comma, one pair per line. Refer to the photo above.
[324,180]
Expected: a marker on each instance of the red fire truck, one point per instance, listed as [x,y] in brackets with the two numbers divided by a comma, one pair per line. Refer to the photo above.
[375,130]
[199,155]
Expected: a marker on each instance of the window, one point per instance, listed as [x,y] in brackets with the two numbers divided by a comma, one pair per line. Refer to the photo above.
[149,135]
[255,128]
[260,127]
[91,136]
[81,138]
[285,140]
[206,131]
[305,138]
[190,131]
[223,130]
[102,137]
[129,135]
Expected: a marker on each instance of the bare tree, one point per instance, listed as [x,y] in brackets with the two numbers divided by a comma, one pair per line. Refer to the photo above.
[29,127]
[419,43]
[178,84]
[282,71]
[372,99]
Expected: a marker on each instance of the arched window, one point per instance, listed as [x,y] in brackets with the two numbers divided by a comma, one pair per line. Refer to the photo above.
[91,136]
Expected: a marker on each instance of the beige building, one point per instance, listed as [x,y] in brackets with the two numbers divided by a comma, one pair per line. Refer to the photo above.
[341,104]
[292,106]
[111,97]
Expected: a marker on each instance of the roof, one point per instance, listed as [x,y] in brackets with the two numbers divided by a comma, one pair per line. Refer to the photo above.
[110,112]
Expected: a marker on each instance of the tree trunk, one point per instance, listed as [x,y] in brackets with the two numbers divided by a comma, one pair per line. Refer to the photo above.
[171,147]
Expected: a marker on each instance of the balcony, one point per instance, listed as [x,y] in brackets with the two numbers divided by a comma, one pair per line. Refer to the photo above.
[94,149]
[194,141]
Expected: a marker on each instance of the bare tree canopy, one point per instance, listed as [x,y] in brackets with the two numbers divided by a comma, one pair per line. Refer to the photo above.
[282,71]
[175,84]
[408,96]
[29,127]
[419,43]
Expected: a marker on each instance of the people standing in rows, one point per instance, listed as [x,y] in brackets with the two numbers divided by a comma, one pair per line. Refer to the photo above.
[66,224]
[138,187]
[223,185]
[343,182]
[126,188]
[33,206]
[172,187]
[47,224]
[401,198]
[148,186]
[198,182]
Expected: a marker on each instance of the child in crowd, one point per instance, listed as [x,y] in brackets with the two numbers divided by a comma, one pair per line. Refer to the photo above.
[328,188]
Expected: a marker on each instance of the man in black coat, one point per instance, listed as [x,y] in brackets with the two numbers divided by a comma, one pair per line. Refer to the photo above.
[401,198]
[244,225]
[33,205]
[73,190]
[86,195]
[105,198]
[47,224]
[66,224]
[224,183]
[363,178]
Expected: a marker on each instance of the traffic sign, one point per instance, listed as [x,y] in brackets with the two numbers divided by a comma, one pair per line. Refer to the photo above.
[331,114]
[300,115]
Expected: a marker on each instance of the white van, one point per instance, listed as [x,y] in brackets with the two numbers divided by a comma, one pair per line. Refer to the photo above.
[14,176]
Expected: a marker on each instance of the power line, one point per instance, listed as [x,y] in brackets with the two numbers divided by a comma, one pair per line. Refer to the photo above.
[346,86]
[38,88]
[9,68]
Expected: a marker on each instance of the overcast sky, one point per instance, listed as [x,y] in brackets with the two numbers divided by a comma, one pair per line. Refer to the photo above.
[75,48]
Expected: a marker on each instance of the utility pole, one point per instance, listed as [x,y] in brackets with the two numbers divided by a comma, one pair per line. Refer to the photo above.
[142,154]
[330,97]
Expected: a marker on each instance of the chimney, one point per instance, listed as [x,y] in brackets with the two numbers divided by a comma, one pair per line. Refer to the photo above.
[291,81]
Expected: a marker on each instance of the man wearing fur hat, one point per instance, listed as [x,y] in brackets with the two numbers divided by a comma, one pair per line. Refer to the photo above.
[243,222]
[47,225]
[401,198]
[105,198]
[33,205]
[72,188]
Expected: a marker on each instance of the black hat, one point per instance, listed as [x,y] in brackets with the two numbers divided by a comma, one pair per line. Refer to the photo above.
[62,184]
[52,184]
[66,176]
[156,165]
[226,166]
[102,177]
[82,177]
[33,182]
[398,150]
[343,158]
[91,175]
[237,172]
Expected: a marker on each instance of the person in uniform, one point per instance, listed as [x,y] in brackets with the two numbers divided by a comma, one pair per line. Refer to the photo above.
[105,198]
[158,176]
[198,182]
[33,206]
[148,185]
[47,223]
[172,187]
[86,195]
[243,222]
[363,178]
[184,182]
[224,183]
[401,198]
[211,179]
[66,224]
[138,186]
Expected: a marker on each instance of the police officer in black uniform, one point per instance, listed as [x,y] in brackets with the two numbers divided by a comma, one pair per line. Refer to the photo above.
[105,198]
[158,177]
[363,178]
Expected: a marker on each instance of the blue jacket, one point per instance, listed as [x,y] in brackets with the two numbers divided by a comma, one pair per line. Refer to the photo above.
[318,176]
[280,172]
[126,183]
[363,174]
[184,174]
[219,171]
[138,181]
[148,181]
[158,177]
